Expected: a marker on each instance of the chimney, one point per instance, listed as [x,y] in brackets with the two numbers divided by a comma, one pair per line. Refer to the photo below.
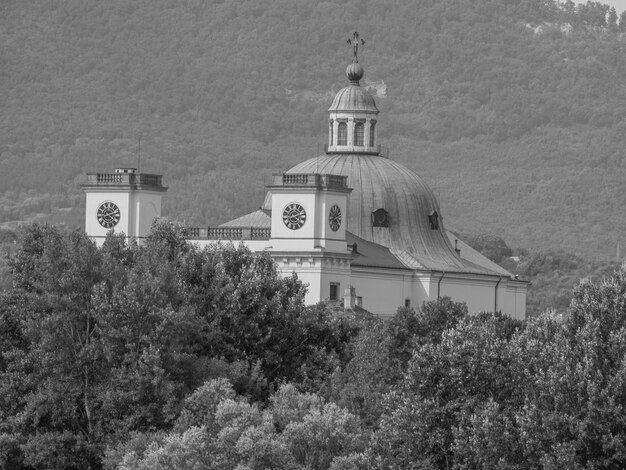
[349,298]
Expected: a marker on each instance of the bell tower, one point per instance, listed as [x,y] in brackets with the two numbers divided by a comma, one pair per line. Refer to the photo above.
[124,201]
[308,231]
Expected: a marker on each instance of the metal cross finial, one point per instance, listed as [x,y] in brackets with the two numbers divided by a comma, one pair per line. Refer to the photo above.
[354,42]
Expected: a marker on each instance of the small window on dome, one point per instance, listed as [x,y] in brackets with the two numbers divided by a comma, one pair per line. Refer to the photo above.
[330,133]
[372,131]
[433,220]
[342,134]
[380,218]
[359,134]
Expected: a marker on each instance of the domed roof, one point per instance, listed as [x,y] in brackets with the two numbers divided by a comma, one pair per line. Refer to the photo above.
[380,183]
[353,98]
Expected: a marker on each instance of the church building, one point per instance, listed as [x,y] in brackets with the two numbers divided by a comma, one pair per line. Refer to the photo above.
[351,223]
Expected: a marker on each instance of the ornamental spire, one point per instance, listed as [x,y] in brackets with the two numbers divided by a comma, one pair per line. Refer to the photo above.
[354,42]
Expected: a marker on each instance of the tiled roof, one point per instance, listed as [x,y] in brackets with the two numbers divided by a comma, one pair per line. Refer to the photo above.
[372,255]
[470,254]
[258,218]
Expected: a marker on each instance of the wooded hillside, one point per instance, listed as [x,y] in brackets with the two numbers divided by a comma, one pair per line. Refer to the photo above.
[513,111]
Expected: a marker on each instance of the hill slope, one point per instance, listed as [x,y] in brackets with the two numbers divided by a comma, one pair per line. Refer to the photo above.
[514,112]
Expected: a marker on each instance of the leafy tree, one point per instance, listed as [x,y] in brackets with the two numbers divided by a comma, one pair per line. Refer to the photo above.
[53,359]
[296,431]
[102,344]
[362,383]
[409,327]
[322,435]
[289,405]
[492,246]
[497,395]
[611,20]
[445,381]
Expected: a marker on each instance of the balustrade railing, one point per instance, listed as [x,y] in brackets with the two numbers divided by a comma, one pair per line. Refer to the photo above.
[309,179]
[125,178]
[230,233]
[379,150]
[297,179]
[260,233]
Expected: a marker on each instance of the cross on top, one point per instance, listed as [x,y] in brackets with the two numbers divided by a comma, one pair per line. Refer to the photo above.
[354,42]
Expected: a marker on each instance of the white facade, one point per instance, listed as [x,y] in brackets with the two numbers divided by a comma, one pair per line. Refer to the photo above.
[123,202]
[379,289]
[322,256]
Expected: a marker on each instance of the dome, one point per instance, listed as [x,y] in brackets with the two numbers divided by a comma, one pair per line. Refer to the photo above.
[353,98]
[380,183]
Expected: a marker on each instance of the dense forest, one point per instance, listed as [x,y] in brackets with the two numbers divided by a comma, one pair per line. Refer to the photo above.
[166,356]
[513,111]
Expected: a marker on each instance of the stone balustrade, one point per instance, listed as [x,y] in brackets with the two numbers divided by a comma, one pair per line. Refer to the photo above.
[379,150]
[144,179]
[230,233]
[310,179]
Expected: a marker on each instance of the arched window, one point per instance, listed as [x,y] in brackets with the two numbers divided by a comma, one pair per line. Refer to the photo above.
[359,134]
[342,134]
[330,133]
[372,132]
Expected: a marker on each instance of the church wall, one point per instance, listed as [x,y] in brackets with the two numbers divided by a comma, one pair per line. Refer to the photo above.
[317,273]
[383,290]
[477,293]
[515,299]
[423,289]
[480,294]
[122,199]
[147,205]
[331,241]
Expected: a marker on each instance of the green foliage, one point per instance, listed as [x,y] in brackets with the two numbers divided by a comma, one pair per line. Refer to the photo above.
[492,246]
[99,344]
[290,405]
[323,434]
[199,408]
[380,352]
[444,381]
[492,394]
[169,356]
[552,274]
[364,380]
[426,325]
[295,431]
